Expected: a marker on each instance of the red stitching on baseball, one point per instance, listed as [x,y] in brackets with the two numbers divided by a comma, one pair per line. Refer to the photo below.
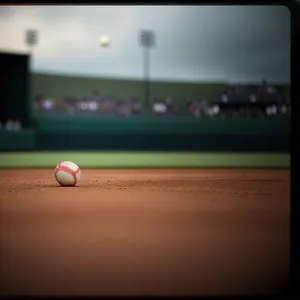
[68,170]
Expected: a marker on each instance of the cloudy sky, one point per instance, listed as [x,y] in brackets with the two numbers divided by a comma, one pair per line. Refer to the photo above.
[193,43]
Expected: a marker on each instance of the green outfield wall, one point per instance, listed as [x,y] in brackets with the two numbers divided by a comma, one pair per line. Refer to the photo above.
[150,134]
[17,140]
[162,125]
[162,134]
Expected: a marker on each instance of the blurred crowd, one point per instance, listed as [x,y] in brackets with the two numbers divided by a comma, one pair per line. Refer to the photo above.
[11,125]
[255,101]
[261,100]
[93,103]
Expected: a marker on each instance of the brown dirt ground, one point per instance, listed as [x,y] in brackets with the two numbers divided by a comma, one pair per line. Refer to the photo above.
[145,232]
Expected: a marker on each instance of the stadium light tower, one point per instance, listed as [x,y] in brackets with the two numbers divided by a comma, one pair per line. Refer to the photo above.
[31,39]
[147,41]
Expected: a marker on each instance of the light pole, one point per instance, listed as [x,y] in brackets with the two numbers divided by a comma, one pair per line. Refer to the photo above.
[147,40]
[31,39]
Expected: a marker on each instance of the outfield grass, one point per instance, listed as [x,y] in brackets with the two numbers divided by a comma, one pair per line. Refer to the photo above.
[145,160]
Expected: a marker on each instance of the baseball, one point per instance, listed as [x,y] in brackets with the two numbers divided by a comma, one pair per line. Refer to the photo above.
[104,41]
[67,173]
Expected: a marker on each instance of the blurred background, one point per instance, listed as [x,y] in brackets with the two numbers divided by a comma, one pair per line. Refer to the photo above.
[211,79]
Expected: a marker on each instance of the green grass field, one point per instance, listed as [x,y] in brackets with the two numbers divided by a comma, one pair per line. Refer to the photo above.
[145,160]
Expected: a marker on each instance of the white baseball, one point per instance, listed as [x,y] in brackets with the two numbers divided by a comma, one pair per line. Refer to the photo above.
[105,41]
[67,173]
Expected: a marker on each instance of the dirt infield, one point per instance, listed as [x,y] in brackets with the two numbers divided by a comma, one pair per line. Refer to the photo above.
[145,232]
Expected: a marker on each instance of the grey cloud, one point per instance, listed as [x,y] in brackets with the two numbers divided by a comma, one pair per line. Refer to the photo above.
[193,42]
